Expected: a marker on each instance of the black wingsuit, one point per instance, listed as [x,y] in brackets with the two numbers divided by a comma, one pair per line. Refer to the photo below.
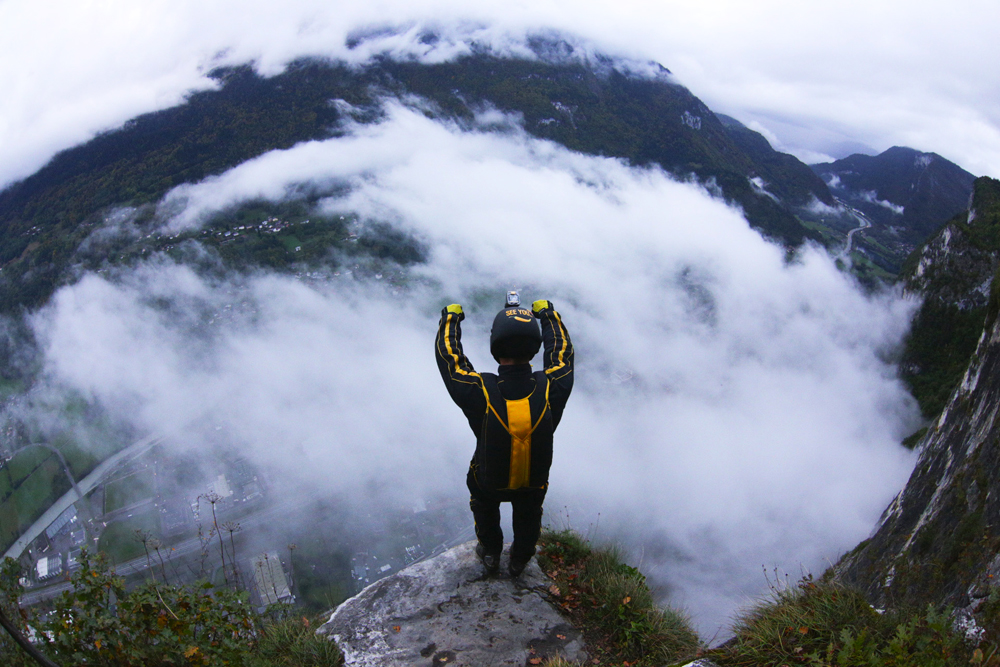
[513,415]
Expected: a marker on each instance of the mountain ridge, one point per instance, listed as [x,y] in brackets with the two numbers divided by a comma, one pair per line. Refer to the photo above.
[907,194]
[45,217]
[588,103]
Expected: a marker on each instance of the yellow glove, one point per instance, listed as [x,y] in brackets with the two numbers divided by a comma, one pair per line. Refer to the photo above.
[454,308]
[540,305]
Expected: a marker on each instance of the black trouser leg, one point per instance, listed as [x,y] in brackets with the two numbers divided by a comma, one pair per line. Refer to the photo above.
[527,523]
[486,513]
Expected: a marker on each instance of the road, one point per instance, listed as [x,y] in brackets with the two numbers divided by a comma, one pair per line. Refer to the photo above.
[863,223]
[85,486]
[193,545]
[179,550]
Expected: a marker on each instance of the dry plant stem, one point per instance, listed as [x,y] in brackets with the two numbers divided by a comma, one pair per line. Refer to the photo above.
[163,569]
[212,499]
[144,538]
[232,528]
[165,605]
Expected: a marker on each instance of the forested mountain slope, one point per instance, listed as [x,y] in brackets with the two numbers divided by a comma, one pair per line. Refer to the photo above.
[907,194]
[595,109]
[953,272]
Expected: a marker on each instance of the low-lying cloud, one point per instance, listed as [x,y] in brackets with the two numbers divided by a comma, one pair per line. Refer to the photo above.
[732,409]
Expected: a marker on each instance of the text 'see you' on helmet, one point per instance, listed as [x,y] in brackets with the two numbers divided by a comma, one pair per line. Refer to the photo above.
[515,334]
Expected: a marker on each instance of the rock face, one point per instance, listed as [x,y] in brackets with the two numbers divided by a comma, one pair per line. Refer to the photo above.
[957,264]
[446,611]
[953,272]
[938,541]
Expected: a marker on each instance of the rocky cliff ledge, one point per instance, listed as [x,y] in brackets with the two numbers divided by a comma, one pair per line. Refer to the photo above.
[447,611]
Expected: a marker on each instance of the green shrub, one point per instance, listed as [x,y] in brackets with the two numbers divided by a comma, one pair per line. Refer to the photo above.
[10,591]
[98,622]
[565,546]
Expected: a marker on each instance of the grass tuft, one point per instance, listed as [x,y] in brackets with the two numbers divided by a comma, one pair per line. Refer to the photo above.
[799,621]
[293,642]
[611,603]
[826,624]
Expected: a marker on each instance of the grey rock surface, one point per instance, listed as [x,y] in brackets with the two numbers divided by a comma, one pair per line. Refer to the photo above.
[447,611]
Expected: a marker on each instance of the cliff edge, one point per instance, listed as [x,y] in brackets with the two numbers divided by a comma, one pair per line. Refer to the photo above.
[445,610]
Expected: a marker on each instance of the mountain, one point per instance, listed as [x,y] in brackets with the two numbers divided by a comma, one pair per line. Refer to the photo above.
[607,112]
[785,176]
[953,271]
[592,106]
[906,194]
[937,542]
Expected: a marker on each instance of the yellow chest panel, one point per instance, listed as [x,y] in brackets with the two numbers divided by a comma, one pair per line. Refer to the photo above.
[519,425]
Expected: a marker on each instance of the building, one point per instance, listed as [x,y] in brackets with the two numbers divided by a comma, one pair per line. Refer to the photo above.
[269,579]
[48,567]
[66,518]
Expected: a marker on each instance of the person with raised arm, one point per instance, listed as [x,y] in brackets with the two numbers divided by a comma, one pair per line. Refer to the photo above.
[513,413]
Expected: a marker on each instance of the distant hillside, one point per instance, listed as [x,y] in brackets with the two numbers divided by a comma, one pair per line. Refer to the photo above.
[906,194]
[595,109]
[605,112]
[781,174]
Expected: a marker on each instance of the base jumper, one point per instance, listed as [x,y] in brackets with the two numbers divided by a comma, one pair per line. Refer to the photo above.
[513,414]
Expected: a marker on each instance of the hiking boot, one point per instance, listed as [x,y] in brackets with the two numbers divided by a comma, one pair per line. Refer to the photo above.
[490,561]
[516,567]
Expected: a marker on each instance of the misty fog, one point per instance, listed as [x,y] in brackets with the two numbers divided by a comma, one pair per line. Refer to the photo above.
[733,407]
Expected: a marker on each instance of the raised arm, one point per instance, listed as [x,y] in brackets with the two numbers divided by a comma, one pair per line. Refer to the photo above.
[557,356]
[465,386]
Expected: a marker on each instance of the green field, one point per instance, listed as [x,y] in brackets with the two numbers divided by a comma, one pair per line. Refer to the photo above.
[31,498]
[10,387]
[129,490]
[120,541]
[80,461]
[831,237]
[35,478]
[291,241]
[8,526]
[867,270]
[6,486]
[30,483]
[25,462]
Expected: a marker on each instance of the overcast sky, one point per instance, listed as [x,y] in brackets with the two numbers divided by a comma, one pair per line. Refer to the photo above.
[819,78]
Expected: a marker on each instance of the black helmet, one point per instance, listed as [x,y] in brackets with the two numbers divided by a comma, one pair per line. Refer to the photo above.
[515,334]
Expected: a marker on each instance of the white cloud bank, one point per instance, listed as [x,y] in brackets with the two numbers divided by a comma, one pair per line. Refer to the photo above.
[760,424]
[820,77]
